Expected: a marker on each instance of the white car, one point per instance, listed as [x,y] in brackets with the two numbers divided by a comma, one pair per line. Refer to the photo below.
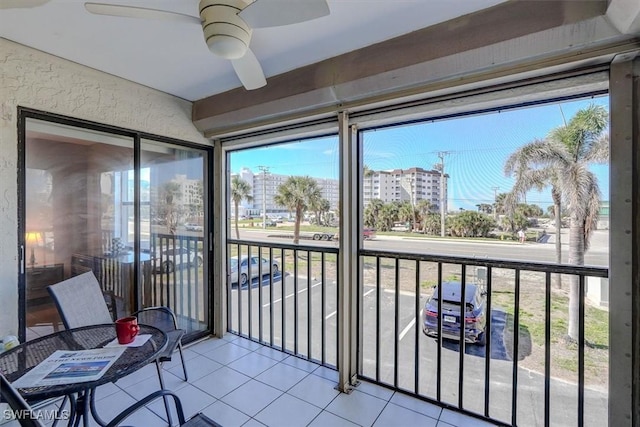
[193,227]
[168,259]
[267,268]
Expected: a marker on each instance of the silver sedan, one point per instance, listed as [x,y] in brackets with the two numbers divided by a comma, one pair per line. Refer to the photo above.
[267,267]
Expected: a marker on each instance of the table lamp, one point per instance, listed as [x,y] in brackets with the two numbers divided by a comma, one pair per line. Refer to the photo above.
[32,239]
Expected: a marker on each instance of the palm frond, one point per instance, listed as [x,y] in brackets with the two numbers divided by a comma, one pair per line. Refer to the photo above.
[579,186]
[583,130]
[598,151]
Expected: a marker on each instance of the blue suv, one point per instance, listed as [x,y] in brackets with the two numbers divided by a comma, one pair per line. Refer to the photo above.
[475,315]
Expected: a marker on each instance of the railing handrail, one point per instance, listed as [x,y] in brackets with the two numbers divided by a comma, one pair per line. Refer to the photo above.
[326,249]
[494,263]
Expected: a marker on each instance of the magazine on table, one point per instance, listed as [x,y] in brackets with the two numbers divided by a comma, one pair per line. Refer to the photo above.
[70,367]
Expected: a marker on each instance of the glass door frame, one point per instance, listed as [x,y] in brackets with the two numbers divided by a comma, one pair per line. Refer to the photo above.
[137,137]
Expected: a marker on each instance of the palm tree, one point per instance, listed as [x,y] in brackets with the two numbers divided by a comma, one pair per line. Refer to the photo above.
[240,189]
[372,211]
[424,208]
[320,207]
[172,210]
[297,194]
[387,216]
[485,208]
[325,207]
[562,161]
[500,204]
[406,212]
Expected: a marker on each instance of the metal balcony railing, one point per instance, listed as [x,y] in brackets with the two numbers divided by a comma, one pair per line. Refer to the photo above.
[284,296]
[522,372]
[173,277]
[521,376]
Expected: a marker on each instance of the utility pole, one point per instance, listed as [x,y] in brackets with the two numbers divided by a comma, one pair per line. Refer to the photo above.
[407,185]
[441,155]
[265,172]
[495,202]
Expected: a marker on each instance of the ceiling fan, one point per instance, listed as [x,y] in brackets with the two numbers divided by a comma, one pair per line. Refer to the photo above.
[227,24]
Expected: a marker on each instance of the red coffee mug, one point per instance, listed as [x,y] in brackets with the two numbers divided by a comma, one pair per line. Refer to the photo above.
[126,329]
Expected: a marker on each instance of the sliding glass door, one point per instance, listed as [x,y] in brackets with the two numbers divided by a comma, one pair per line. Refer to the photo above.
[173,231]
[139,228]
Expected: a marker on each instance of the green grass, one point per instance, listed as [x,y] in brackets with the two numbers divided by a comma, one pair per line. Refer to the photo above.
[596,325]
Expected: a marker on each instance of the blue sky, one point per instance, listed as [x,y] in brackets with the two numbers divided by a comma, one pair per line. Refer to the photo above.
[478,147]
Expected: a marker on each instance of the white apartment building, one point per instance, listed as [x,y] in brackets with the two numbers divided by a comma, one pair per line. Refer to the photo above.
[190,190]
[411,184]
[264,182]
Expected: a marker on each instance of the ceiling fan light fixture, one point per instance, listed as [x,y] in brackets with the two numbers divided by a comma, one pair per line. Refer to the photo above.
[226,34]
[227,47]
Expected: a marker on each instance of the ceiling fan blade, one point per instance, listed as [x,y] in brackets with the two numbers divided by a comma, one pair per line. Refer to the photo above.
[274,13]
[249,71]
[21,4]
[139,12]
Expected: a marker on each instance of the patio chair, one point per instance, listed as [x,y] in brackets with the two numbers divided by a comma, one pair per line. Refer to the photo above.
[80,302]
[28,417]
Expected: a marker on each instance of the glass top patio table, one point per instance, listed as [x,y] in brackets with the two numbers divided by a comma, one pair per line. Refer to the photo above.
[21,359]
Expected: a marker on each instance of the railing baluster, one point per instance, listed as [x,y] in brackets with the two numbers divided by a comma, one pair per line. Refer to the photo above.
[250,273]
[283,298]
[229,300]
[309,311]
[416,349]
[239,291]
[487,349]
[396,326]
[295,302]
[378,318]
[323,310]
[463,327]
[439,347]
[260,273]
[581,341]
[338,304]
[516,343]
[547,349]
[270,297]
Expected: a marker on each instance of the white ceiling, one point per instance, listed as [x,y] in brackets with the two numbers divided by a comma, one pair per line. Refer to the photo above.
[174,58]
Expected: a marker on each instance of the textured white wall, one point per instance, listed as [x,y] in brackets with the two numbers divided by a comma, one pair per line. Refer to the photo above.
[30,78]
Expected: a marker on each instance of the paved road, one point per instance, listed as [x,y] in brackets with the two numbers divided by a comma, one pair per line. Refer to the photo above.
[598,255]
[296,308]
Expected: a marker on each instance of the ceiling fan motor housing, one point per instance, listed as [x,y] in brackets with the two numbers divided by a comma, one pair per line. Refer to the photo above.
[226,34]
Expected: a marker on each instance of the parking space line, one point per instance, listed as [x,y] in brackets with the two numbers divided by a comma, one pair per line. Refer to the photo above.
[335,312]
[290,295]
[409,326]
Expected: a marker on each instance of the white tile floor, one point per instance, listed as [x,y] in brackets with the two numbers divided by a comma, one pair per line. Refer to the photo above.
[237,382]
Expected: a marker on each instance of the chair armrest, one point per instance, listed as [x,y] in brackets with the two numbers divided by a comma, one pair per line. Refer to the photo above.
[164,309]
[146,400]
